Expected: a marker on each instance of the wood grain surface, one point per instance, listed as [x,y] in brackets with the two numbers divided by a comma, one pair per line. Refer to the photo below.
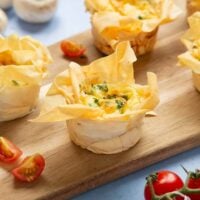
[71,170]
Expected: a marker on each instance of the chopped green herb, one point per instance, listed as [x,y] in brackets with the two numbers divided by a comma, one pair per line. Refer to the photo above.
[103,87]
[111,96]
[96,101]
[195,46]
[122,110]
[140,17]
[125,97]
[119,103]
[88,92]
[15,82]
[114,96]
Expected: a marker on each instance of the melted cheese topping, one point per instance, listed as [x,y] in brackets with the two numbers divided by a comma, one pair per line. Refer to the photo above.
[113,98]
[138,9]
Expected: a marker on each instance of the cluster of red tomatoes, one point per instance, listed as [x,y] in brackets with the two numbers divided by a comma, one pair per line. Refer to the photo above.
[167,185]
[29,169]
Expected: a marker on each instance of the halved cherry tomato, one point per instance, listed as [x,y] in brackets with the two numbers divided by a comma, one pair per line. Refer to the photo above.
[194,183]
[71,49]
[163,182]
[30,168]
[8,151]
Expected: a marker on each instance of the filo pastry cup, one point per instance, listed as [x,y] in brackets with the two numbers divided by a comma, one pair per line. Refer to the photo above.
[23,65]
[137,21]
[191,58]
[103,106]
[193,6]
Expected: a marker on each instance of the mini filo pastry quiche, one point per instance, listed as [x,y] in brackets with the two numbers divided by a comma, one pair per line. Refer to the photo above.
[23,65]
[191,58]
[101,102]
[134,20]
[193,6]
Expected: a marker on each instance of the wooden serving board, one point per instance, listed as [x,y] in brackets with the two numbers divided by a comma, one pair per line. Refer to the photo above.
[70,169]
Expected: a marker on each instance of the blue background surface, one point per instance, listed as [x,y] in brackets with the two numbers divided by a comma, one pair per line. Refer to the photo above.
[70,19]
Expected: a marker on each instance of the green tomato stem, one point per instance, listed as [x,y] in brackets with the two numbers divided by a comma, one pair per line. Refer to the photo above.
[186,190]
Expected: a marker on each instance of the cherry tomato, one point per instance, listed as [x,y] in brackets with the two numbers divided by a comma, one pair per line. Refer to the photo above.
[194,183]
[71,49]
[163,182]
[9,153]
[30,168]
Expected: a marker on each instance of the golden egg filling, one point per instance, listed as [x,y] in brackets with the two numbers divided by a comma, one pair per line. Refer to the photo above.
[113,98]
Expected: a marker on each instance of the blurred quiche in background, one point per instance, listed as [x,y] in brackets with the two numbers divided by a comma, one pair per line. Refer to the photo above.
[23,65]
[191,58]
[135,20]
